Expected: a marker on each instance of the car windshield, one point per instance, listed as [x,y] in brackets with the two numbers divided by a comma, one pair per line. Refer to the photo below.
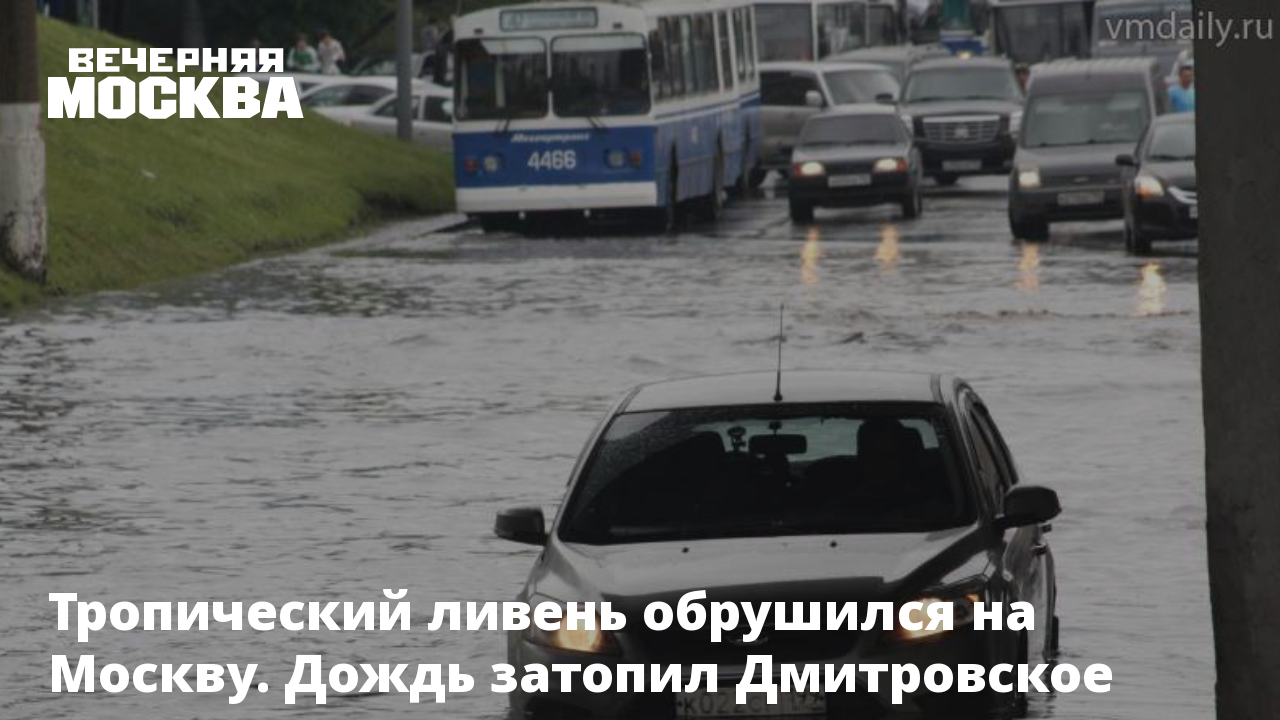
[853,130]
[962,83]
[1085,119]
[849,87]
[784,32]
[1127,24]
[501,79]
[748,472]
[599,75]
[1034,33]
[1175,141]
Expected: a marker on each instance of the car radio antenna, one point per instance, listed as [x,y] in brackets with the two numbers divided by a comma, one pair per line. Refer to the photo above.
[777,388]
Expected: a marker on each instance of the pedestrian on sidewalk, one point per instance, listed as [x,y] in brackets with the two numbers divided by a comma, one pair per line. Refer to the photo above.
[302,57]
[332,56]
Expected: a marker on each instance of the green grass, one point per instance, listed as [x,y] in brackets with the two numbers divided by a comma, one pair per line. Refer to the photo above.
[134,201]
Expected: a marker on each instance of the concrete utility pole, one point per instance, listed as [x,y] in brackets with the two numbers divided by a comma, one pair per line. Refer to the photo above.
[1238,126]
[404,71]
[22,210]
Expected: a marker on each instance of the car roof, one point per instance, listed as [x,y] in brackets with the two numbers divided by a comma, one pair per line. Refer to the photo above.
[851,65]
[957,62]
[857,110]
[799,387]
[1095,67]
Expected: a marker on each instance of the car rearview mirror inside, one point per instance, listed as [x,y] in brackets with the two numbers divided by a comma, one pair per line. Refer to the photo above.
[523,525]
[813,98]
[1028,505]
[886,98]
[1126,160]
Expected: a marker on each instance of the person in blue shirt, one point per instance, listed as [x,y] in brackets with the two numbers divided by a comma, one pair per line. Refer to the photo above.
[1182,96]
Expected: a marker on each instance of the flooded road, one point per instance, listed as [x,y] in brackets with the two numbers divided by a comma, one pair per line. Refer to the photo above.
[326,425]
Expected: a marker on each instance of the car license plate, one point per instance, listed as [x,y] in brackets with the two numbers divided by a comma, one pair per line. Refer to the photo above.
[721,704]
[1193,212]
[1076,199]
[961,165]
[837,181]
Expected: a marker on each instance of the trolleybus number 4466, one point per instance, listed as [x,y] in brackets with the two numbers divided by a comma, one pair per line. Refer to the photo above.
[553,160]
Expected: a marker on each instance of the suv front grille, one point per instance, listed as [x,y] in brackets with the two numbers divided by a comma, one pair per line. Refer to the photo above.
[962,130]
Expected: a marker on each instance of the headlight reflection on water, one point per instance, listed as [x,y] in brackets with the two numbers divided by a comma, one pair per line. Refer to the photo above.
[1152,291]
[810,254]
[887,252]
[1029,268]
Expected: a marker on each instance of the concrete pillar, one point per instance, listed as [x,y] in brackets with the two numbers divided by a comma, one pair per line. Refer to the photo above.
[22,186]
[1238,163]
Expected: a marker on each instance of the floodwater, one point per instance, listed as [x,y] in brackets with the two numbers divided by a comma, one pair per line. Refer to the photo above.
[326,425]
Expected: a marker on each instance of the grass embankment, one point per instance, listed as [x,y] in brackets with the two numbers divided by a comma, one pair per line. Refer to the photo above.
[134,201]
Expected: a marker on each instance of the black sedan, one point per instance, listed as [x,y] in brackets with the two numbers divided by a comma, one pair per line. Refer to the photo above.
[854,156]
[1159,183]
[815,487]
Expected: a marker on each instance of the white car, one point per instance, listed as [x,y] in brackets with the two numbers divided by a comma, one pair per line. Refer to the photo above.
[305,82]
[791,92]
[349,92]
[432,116]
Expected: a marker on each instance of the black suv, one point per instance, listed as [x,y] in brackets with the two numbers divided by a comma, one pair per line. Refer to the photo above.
[965,114]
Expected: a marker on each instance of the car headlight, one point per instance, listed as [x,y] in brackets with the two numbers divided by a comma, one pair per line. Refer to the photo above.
[890,165]
[810,169]
[908,121]
[581,640]
[961,614]
[1015,121]
[1029,178]
[1147,187]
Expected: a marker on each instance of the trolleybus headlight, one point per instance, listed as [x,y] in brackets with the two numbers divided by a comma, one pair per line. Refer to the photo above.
[492,163]
[615,159]
[810,169]
[890,165]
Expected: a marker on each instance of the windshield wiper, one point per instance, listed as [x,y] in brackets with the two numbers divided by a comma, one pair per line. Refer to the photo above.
[1170,158]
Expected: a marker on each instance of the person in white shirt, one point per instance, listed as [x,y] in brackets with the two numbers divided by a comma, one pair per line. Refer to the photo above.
[331,54]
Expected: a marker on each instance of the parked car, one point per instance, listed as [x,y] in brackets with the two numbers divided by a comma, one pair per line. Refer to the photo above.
[432,116]
[790,92]
[899,59]
[965,114]
[1159,182]
[1080,115]
[851,487]
[855,156]
[303,81]
[349,92]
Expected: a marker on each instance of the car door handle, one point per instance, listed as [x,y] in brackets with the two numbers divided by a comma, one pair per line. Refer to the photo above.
[1040,549]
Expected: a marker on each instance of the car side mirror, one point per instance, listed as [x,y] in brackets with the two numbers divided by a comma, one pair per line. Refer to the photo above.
[523,525]
[1028,505]
[813,99]
[1126,160]
[886,99]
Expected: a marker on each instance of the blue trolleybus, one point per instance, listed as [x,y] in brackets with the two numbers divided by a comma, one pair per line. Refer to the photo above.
[590,108]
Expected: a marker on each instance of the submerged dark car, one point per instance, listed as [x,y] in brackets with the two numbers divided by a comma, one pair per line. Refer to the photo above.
[856,156]
[1159,182]
[841,487]
[965,114]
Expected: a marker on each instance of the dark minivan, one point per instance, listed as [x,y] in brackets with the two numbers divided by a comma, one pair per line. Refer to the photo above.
[1080,114]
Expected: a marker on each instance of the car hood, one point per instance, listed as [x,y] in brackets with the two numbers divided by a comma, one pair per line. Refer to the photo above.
[960,107]
[759,569]
[848,153]
[1074,160]
[1180,173]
